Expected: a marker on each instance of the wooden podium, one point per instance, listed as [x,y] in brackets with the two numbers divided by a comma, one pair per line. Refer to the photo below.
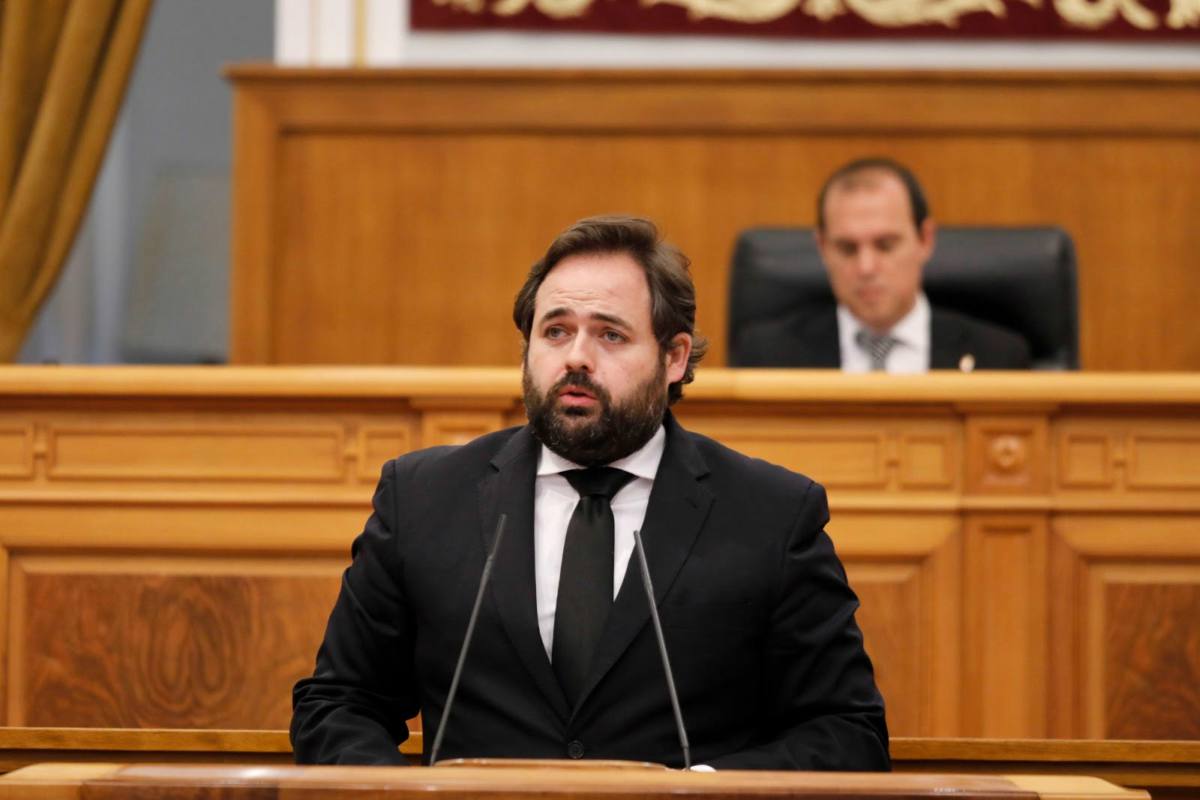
[1024,545]
[541,781]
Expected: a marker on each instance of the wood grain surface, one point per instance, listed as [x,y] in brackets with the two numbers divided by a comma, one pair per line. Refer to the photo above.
[551,781]
[1125,611]
[1162,766]
[389,216]
[153,642]
[1153,654]
[1059,602]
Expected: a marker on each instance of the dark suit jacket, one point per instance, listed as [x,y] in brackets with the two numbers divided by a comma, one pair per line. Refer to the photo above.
[756,612]
[810,339]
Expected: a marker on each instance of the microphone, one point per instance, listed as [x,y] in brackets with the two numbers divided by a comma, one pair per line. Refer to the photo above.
[662,650]
[462,654]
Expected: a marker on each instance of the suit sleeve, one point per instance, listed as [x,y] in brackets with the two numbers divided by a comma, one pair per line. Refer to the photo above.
[353,709]
[821,706]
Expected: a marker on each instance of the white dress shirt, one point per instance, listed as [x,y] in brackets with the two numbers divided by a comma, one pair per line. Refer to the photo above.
[909,356]
[554,501]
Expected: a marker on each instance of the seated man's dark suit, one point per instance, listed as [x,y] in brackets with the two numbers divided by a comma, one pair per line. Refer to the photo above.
[756,611]
[810,339]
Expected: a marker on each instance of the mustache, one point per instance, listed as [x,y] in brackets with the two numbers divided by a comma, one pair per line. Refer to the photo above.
[581,380]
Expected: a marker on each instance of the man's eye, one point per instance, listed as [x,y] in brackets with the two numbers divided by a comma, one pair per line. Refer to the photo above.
[847,250]
[555,332]
[613,337]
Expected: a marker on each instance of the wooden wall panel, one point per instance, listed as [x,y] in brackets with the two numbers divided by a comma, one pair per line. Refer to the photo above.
[1125,627]
[911,619]
[195,452]
[458,427]
[1155,460]
[16,451]
[389,216]
[1129,456]
[152,641]
[1024,546]
[1152,644]
[378,444]
[1004,639]
[5,632]
[892,454]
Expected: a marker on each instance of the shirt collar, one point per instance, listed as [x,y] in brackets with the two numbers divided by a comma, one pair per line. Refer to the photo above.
[911,330]
[914,326]
[642,463]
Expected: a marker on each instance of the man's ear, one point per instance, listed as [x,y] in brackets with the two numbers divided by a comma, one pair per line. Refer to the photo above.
[677,355]
[928,235]
[821,241]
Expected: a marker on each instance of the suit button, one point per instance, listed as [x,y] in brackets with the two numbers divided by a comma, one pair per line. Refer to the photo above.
[575,749]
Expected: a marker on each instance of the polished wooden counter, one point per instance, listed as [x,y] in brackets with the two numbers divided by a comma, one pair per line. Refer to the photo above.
[1026,546]
[545,780]
[23,746]
[1167,769]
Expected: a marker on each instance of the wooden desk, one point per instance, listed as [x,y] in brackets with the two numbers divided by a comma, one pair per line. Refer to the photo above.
[21,747]
[567,782]
[372,207]
[1026,547]
[1165,769]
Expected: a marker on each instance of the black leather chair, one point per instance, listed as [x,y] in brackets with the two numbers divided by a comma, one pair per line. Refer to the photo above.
[1021,278]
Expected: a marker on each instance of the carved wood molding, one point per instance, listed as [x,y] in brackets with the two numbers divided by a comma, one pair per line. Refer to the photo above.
[1023,545]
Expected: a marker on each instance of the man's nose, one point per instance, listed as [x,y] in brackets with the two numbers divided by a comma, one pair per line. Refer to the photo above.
[581,354]
[867,261]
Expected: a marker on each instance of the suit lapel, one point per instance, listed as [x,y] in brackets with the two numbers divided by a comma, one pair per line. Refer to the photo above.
[676,511]
[509,490]
[946,345]
[827,352]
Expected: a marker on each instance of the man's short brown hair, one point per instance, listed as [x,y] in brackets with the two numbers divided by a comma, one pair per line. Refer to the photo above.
[851,175]
[672,293]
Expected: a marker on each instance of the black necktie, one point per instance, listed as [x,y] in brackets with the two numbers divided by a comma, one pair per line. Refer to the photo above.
[585,583]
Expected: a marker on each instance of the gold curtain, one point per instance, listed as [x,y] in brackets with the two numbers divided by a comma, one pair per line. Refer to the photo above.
[64,66]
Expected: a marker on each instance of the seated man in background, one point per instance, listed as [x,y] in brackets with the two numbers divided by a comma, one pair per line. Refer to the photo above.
[875,236]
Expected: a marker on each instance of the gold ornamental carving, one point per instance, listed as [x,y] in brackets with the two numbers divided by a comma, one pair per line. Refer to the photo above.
[902,13]
[1092,14]
[736,10]
[1184,14]
[1085,14]
[555,9]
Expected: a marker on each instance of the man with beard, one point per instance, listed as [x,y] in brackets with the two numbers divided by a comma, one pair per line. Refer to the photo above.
[755,609]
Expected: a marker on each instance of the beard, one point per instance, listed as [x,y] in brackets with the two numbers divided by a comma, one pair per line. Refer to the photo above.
[593,437]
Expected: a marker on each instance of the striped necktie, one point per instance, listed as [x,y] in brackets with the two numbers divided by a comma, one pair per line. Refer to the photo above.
[877,346]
